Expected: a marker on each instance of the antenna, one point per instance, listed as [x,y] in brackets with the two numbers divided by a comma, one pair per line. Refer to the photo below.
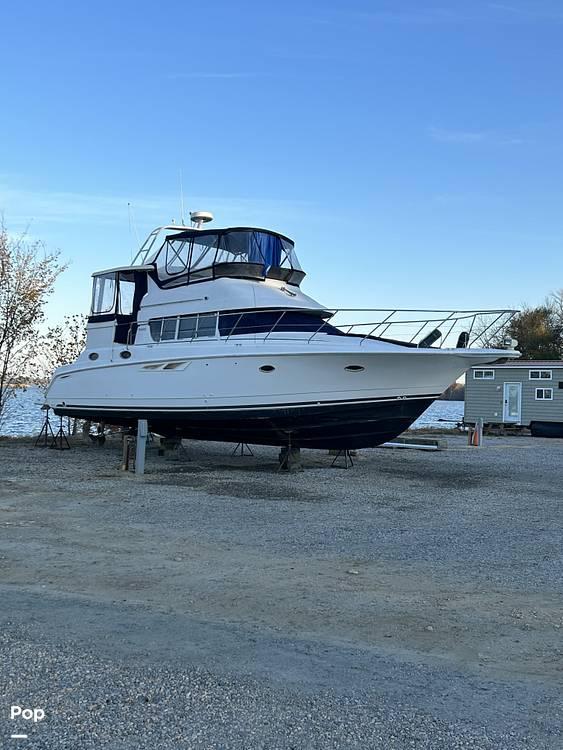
[132,228]
[182,220]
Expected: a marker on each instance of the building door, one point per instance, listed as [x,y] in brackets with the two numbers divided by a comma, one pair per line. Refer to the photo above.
[512,411]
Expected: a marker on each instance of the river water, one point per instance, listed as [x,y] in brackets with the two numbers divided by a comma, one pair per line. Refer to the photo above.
[24,415]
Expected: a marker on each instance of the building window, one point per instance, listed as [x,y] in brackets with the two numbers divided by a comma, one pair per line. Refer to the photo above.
[483,374]
[540,374]
[544,394]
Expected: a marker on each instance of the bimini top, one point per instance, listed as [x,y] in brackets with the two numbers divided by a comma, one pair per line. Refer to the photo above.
[192,255]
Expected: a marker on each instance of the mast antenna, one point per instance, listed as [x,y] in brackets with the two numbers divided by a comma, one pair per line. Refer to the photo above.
[182,220]
[132,228]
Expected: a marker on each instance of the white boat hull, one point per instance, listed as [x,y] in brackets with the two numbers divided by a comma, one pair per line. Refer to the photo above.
[308,399]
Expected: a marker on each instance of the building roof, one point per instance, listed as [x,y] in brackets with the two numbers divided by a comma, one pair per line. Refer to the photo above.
[527,363]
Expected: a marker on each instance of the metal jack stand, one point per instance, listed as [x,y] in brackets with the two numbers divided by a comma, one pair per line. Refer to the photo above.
[347,459]
[290,457]
[99,438]
[46,436]
[172,449]
[60,442]
[242,449]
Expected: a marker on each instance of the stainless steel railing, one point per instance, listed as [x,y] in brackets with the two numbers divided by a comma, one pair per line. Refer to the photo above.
[443,328]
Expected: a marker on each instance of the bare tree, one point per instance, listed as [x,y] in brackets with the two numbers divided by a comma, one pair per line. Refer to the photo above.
[27,277]
[59,345]
[556,302]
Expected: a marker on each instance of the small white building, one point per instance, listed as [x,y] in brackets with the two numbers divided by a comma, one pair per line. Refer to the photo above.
[524,393]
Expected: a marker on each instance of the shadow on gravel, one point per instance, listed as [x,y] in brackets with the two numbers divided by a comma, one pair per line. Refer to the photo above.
[434,477]
[236,489]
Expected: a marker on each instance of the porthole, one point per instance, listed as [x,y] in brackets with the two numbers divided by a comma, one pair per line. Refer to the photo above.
[354,368]
[267,368]
[93,355]
[125,354]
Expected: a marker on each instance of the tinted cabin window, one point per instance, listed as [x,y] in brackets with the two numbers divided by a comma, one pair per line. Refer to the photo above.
[187,327]
[155,328]
[206,325]
[237,324]
[169,329]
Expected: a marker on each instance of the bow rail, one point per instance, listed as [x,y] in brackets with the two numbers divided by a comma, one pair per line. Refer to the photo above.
[484,328]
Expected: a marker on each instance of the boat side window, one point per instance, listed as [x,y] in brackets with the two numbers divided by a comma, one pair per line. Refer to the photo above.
[103,296]
[188,326]
[126,297]
[277,321]
[155,329]
[177,256]
[168,329]
[195,254]
[207,325]
[204,325]
[184,327]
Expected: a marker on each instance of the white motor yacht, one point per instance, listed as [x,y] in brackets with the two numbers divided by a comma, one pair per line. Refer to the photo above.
[207,335]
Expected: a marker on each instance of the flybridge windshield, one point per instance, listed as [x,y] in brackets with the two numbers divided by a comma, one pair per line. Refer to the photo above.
[195,253]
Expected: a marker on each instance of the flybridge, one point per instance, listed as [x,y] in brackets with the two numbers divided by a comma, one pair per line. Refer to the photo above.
[186,255]
[200,255]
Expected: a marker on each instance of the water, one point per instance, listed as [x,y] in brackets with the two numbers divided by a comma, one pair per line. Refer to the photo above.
[25,417]
[23,413]
[450,410]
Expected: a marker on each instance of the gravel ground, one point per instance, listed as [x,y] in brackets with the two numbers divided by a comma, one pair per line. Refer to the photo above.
[412,601]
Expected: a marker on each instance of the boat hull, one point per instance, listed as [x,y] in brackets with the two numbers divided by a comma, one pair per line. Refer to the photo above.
[312,398]
[352,424]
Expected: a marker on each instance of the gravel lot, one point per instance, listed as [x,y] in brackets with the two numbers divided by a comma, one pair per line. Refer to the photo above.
[412,601]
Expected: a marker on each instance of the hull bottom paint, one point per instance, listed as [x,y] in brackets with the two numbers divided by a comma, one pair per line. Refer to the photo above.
[343,425]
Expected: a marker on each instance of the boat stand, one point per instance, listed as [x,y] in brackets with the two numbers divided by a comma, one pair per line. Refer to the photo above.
[46,435]
[172,449]
[348,461]
[242,449]
[60,443]
[290,459]
[47,438]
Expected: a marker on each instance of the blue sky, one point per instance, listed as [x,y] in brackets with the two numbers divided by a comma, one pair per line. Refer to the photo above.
[412,149]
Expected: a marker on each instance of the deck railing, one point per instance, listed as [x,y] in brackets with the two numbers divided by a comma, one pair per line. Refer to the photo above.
[484,328]
[437,328]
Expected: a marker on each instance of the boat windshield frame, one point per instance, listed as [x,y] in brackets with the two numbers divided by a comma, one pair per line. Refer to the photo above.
[248,252]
